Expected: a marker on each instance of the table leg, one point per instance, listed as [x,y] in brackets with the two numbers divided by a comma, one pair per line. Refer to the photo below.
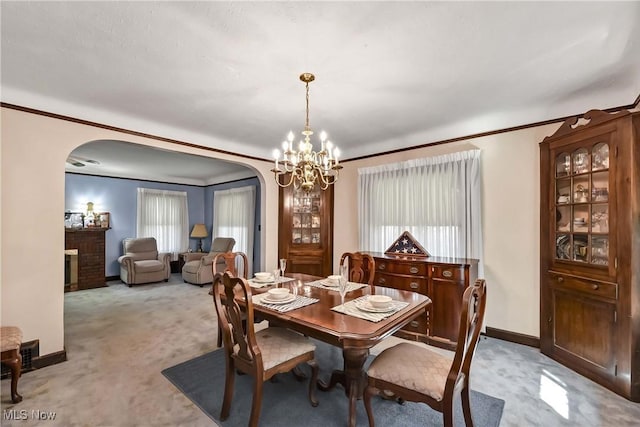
[352,378]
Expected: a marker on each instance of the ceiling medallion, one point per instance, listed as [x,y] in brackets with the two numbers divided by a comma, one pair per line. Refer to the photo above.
[303,168]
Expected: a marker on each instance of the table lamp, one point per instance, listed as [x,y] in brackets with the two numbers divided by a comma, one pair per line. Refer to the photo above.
[199,232]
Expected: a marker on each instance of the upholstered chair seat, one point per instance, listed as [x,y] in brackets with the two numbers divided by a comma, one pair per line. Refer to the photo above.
[10,342]
[142,263]
[399,364]
[279,345]
[11,338]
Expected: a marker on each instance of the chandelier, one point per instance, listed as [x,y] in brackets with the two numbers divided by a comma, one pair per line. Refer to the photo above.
[304,166]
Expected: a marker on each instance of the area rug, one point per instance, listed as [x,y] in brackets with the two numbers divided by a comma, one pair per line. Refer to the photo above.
[285,401]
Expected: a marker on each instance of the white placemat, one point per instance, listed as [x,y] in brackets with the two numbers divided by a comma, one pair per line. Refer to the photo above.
[350,308]
[255,284]
[322,283]
[300,301]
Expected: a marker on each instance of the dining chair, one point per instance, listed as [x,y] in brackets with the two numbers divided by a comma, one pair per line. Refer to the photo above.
[228,260]
[362,267]
[230,263]
[261,354]
[414,373]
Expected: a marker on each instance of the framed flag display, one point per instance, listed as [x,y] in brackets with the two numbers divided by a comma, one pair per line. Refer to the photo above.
[406,244]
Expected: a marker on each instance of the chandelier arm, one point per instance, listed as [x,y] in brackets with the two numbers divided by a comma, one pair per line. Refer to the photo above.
[278,175]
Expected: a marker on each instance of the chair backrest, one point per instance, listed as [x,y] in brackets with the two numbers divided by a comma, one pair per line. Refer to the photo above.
[474,301]
[238,334]
[140,248]
[222,244]
[230,259]
[362,267]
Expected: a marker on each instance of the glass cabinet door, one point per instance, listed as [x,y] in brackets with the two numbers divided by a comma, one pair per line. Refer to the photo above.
[582,205]
[305,220]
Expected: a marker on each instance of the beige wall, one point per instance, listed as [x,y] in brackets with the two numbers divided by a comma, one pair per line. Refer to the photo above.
[510,193]
[33,153]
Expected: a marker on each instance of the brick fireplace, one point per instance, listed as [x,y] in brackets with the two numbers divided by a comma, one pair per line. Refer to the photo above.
[90,244]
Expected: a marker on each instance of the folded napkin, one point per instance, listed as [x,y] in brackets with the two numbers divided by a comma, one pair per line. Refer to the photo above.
[255,284]
[350,308]
[299,302]
[323,283]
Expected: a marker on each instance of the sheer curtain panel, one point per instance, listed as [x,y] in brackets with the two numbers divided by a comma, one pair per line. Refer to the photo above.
[436,199]
[233,216]
[164,214]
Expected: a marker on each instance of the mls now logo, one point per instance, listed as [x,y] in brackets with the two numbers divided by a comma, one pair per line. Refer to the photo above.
[37,414]
[23,414]
[14,414]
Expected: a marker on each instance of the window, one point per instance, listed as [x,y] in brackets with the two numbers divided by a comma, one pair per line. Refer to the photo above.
[233,216]
[436,199]
[163,214]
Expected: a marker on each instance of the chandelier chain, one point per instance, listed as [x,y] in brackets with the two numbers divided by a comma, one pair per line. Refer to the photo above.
[306,125]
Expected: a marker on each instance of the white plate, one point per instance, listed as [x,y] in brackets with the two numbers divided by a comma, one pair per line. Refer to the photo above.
[328,283]
[288,299]
[365,305]
[268,280]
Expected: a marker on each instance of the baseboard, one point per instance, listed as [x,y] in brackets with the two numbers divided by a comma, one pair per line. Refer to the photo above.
[514,337]
[50,359]
[32,360]
[111,278]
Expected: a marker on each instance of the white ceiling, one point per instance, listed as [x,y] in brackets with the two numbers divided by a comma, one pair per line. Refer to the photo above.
[388,75]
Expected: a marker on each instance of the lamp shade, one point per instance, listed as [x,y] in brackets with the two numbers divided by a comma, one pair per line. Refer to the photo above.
[199,231]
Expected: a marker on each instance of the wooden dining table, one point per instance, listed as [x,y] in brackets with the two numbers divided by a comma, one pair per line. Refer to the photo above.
[355,336]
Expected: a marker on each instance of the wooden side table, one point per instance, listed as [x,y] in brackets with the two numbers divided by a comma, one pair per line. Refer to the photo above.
[181,260]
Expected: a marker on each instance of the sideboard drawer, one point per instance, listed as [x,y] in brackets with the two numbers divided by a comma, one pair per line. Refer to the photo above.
[448,272]
[417,325]
[401,282]
[406,267]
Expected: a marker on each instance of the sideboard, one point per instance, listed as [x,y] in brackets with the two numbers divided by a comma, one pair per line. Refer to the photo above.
[444,280]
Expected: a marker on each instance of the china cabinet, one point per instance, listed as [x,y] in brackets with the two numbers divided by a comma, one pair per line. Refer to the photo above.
[444,280]
[590,248]
[306,230]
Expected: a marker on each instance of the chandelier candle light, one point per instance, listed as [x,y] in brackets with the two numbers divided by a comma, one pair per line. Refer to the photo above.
[305,166]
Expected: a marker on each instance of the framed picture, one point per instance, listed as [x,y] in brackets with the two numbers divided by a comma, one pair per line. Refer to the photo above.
[103,220]
[73,220]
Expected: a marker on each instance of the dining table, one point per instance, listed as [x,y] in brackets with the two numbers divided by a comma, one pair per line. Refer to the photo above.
[353,332]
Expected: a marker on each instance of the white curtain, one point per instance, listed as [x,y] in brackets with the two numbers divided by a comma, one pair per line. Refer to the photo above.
[436,199]
[233,216]
[164,215]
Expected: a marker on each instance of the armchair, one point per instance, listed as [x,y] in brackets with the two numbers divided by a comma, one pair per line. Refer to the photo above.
[142,263]
[198,266]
